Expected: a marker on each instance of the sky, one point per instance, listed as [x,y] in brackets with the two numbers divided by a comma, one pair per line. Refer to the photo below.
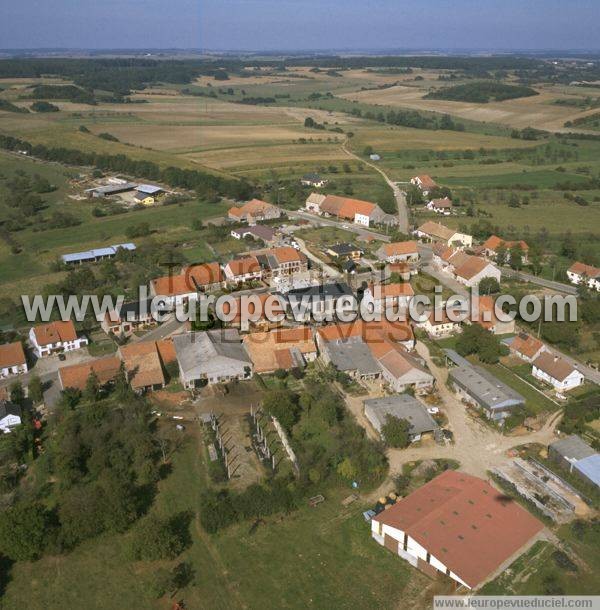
[300,24]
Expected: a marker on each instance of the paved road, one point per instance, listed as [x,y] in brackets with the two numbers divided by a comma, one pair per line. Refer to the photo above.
[399,195]
[329,222]
[532,279]
[326,269]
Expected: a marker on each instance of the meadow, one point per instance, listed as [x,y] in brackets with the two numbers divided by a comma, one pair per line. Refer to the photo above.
[315,557]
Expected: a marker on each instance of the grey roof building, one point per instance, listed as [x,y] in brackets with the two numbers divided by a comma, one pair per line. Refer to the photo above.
[402,406]
[589,468]
[575,454]
[480,387]
[211,357]
[352,356]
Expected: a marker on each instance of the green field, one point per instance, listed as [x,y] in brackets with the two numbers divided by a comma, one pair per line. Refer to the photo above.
[316,557]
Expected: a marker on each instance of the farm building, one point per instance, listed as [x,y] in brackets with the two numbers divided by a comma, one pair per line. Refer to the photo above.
[357,211]
[110,189]
[12,359]
[478,387]
[257,232]
[440,206]
[424,183]
[459,526]
[75,376]
[211,357]
[575,454]
[95,255]
[254,210]
[402,406]
[144,362]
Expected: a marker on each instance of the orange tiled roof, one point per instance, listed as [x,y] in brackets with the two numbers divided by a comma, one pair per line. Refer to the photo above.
[55,332]
[471,267]
[242,266]
[287,254]
[143,364]
[493,242]
[400,247]
[173,285]
[12,354]
[269,350]
[526,344]
[253,207]
[583,269]
[369,331]
[76,375]
[556,367]
[346,207]
[465,523]
[204,274]
[426,181]
[387,291]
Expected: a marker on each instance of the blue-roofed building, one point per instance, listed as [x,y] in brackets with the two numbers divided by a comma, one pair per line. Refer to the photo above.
[589,468]
[149,189]
[95,255]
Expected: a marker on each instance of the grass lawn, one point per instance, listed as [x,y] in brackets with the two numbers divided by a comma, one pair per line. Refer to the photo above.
[535,399]
[319,557]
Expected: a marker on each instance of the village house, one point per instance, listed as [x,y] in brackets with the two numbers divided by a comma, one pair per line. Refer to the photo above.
[253,211]
[257,232]
[434,232]
[132,316]
[580,273]
[557,372]
[494,244]
[357,211]
[317,303]
[76,376]
[526,347]
[440,206]
[54,338]
[488,315]
[10,416]
[144,363]
[474,269]
[188,284]
[143,198]
[216,356]
[399,252]
[12,359]
[457,526]
[257,316]
[313,180]
[401,406]
[282,348]
[369,332]
[424,183]
[245,269]
[476,386]
[464,268]
[395,296]
[282,262]
[314,201]
[401,371]
[438,324]
[345,251]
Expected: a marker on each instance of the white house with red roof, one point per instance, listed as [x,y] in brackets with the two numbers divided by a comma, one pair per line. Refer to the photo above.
[424,183]
[55,337]
[12,359]
[580,273]
[457,526]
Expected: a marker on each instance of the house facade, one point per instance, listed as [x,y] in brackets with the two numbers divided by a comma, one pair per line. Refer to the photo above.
[440,206]
[557,372]
[54,338]
[434,232]
[399,252]
[580,273]
[12,359]
[387,296]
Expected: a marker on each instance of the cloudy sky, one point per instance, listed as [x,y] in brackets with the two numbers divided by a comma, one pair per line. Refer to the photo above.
[301,24]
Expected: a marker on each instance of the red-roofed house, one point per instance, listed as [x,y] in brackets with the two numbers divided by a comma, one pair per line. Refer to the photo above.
[440,206]
[254,210]
[356,210]
[55,337]
[493,244]
[12,359]
[399,252]
[243,270]
[579,273]
[424,182]
[459,526]
[386,296]
[526,347]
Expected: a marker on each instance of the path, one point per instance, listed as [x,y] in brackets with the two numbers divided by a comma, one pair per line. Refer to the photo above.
[327,269]
[399,195]
[477,447]
[538,281]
